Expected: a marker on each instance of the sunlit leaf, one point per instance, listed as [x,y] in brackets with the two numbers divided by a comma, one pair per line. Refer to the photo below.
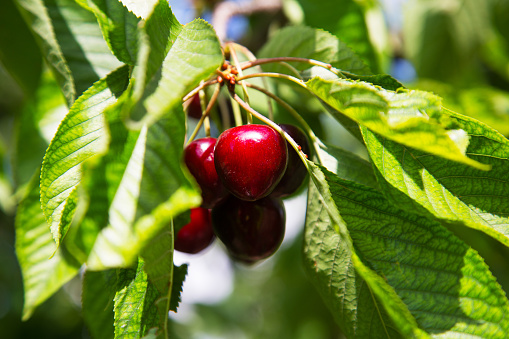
[44,270]
[451,191]
[146,188]
[194,56]
[412,118]
[80,136]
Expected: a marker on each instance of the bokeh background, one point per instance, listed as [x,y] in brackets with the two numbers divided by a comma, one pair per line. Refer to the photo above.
[458,49]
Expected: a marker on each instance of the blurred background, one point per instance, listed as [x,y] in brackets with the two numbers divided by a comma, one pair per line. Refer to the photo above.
[458,49]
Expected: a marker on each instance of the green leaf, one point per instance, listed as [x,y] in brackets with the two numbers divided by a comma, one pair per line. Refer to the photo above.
[412,118]
[97,302]
[194,56]
[80,136]
[305,42]
[444,283]
[135,314]
[450,191]
[395,309]
[346,165]
[442,38]
[142,9]
[72,43]
[119,27]
[19,52]
[487,104]
[44,270]
[166,277]
[329,265]
[349,21]
[36,126]
[156,36]
[143,198]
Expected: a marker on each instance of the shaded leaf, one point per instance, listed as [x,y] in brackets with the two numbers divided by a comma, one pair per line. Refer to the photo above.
[393,306]
[35,127]
[329,265]
[44,270]
[97,302]
[119,27]
[306,42]
[346,165]
[445,284]
[349,21]
[71,43]
[19,52]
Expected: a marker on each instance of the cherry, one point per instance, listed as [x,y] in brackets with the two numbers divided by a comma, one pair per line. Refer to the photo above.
[250,230]
[194,107]
[250,160]
[296,170]
[199,159]
[197,235]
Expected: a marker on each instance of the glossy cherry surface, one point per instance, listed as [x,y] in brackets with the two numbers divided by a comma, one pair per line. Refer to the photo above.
[194,107]
[250,160]
[250,230]
[296,170]
[199,159]
[197,235]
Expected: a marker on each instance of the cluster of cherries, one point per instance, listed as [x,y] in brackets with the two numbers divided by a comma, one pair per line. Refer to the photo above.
[243,175]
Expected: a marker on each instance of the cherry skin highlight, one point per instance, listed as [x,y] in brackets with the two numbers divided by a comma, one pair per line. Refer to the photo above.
[198,234]
[250,160]
[296,170]
[199,159]
[250,230]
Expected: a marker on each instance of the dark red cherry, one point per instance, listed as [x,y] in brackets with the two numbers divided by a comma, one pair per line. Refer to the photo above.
[296,170]
[250,230]
[250,160]
[194,107]
[197,235]
[199,159]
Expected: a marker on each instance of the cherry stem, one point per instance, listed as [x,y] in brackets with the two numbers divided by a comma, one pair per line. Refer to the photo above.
[291,68]
[236,63]
[256,62]
[273,75]
[237,115]
[273,125]
[314,139]
[199,88]
[205,114]
[252,57]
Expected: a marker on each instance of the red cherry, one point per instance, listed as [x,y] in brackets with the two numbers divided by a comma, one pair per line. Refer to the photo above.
[250,160]
[250,230]
[199,159]
[194,107]
[296,170]
[197,235]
